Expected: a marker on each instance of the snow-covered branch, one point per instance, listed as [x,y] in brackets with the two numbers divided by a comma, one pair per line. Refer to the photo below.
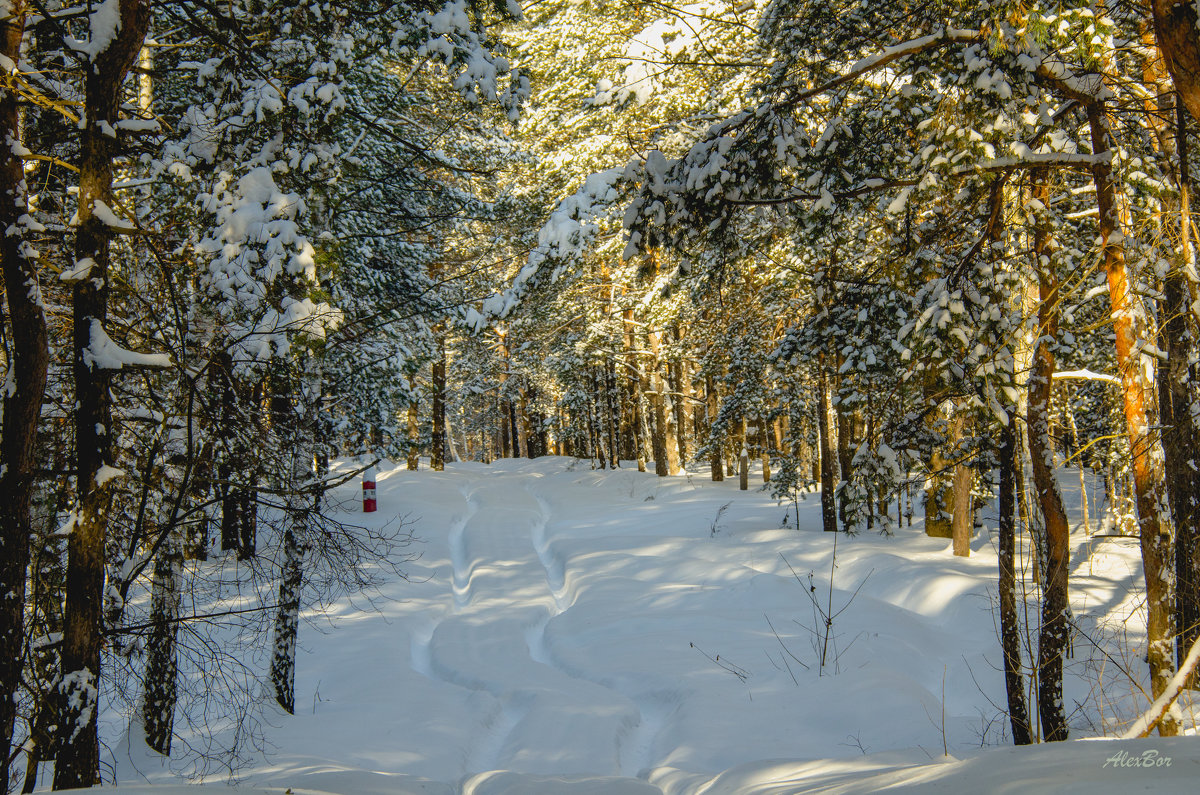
[1087,375]
[886,56]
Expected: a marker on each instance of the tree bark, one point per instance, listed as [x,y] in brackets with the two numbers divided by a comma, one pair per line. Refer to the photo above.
[158,703]
[437,442]
[1132,328]
[287,622]
[27,387]
[664,412]
[78,755]
[1181,410]
[1175,26]
[414,432]
[1052,641]
[1010,630]
[654,388]
[716,465]
[829,474]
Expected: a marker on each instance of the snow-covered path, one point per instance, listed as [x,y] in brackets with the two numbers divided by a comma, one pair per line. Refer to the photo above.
[567,628]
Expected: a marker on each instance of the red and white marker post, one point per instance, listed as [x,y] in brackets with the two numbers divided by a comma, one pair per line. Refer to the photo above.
[369,504]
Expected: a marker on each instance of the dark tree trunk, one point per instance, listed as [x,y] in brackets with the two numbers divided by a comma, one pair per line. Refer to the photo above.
[829,476]
[23,400]
[716,465]
[665,433]
[1052,641]
[437,440]
[1010,629]
[1179,406]
[414,430]
[843,430]
[78,763]
[614,416]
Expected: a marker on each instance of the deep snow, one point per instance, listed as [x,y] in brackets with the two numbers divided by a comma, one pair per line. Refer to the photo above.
[613,632]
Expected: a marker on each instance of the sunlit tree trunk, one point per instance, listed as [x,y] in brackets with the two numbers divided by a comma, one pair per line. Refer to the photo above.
[829,462]
[1131,327]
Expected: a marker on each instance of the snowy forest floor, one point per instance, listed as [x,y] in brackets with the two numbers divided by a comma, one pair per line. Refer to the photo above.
[571,630]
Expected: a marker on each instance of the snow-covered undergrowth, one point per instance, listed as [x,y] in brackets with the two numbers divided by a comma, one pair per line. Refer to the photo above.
[610,631]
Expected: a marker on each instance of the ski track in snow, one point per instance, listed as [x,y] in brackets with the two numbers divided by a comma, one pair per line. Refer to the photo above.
[554,566]
[460,573]
[636,741]
[490,550]
[638,749]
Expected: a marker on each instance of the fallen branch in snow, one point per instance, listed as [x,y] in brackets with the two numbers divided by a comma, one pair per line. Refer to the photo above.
[1150,718]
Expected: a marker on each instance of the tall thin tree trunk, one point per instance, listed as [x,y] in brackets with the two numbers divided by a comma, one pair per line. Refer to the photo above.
[655,388]
[962,525]
[664,411]
[1181,409]
[22,400]
[1052,641]
[414,432]
[78,763]
[287,622]
[1010,627]
[829,474]
[158,702]
[843,428]
[614,415]
[716,465]
[437,441]
[1132,328]
[637,382]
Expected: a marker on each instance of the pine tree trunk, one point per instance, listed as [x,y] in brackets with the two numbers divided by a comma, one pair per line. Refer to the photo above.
[1181,410]
[1052,641]
[78,763]
[414,430]
[1175,26]
[613,420]
[658,433]
[679,389]
[717,466]
[437,441]
[962,525]
[22,400]
[505,442]
[1132,328]
[829,474]
[744,461]
[664,412]
[637,385]
[843,428]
